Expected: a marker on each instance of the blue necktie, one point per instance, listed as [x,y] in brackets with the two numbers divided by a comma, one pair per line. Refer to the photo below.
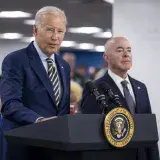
[53,76]
[128,97]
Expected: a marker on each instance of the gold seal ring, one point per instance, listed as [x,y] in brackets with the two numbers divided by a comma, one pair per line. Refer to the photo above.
[119,127]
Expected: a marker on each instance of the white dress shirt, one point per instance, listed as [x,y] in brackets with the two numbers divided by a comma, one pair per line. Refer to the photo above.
[117,79]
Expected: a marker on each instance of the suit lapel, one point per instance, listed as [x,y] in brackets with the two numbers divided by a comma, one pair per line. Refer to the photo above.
[137,94]
[39,69]
[116,90]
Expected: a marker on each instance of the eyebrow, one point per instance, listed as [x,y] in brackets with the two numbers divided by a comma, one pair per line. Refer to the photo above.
[122,47]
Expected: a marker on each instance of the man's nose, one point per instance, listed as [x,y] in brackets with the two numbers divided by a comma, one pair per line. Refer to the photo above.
[126,53]
[54,35]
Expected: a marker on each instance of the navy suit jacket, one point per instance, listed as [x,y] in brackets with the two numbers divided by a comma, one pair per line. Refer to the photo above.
[26,91]
[90,106]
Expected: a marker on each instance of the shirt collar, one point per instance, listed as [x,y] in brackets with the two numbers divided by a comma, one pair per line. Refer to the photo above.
[41,54]
[117,79]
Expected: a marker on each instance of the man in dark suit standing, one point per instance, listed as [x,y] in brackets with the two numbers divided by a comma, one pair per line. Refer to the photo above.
[35,84]
[133,94]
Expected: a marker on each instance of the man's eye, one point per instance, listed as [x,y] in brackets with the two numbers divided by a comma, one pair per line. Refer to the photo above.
[49,29]
[60,31]
[120,50]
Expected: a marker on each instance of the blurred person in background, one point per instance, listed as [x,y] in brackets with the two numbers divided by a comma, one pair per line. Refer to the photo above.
[35,84]
[80,75]
[76,89]
[71,59]
[92,72]
[101,72]
[132,93]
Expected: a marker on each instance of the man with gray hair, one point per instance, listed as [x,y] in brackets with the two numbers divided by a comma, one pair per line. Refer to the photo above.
[132,93]
[35,83]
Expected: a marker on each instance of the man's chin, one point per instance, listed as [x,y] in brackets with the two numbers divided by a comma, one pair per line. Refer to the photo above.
[55,50]
[126,69]
[50,52]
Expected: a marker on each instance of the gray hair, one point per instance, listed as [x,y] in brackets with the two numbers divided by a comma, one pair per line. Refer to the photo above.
[105,47]
[107,44]
[49,10]
[112,41]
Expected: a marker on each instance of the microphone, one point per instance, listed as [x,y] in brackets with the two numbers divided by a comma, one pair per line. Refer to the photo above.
[107,90]
[100,98]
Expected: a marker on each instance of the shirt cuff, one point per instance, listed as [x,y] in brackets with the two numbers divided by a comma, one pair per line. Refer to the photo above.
[38,119]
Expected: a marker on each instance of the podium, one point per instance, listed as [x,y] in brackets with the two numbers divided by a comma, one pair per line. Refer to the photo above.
[81,137]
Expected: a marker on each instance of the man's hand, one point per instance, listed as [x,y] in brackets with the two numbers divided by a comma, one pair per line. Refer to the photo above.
[46,119]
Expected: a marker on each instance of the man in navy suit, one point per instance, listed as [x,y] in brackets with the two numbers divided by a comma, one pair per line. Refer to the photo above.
[35,84]
[118,56]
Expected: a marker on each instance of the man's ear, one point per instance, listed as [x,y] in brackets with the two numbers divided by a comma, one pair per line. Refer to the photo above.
[105,56]
[35,30]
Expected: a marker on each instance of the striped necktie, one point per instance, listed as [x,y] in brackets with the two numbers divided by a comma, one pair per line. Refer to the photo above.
[53,76]
[128,97]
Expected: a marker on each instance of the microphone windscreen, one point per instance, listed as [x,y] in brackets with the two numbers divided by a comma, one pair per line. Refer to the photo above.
[104,86]
[91,86]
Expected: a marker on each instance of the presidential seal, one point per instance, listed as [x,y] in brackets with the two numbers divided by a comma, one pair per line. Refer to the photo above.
[118,127]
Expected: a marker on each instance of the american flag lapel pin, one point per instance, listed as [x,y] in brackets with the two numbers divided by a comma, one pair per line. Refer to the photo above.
[138,87]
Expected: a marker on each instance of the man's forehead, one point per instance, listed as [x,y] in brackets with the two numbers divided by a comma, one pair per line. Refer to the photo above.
[122,44]
[116,42]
